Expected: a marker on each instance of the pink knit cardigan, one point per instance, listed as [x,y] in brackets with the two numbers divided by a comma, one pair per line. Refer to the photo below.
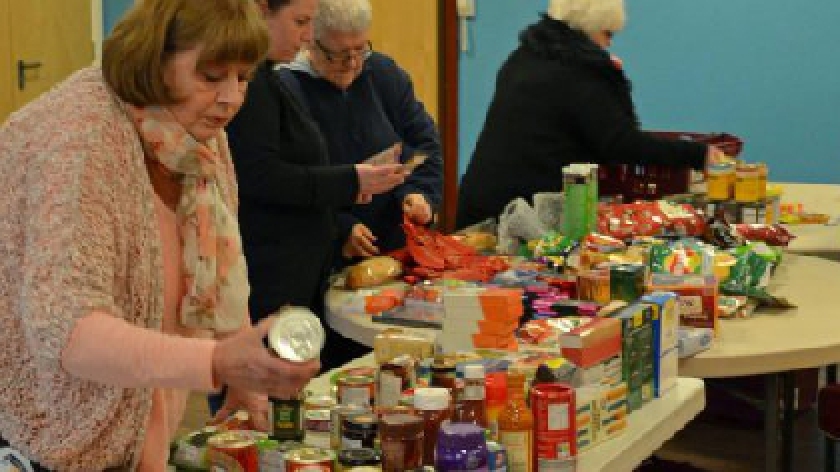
[78,233]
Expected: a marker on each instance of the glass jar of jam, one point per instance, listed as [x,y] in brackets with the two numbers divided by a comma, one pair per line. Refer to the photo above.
[356,390]
[434,405]
[359,431]
[353,460]
[443,374]
[401,443]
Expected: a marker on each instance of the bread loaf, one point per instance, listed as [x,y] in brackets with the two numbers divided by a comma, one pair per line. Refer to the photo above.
[372,272]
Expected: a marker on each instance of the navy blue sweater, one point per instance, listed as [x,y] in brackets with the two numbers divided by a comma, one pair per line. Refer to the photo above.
[376,111]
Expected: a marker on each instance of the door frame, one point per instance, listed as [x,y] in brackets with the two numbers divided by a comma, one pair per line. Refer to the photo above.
[448,40]
[97,20]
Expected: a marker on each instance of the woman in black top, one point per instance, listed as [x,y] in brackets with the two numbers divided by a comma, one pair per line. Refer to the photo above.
[288,190]
[561,98]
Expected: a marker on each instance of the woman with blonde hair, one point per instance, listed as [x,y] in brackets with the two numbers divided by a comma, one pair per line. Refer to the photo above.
[122,275]
[561,98]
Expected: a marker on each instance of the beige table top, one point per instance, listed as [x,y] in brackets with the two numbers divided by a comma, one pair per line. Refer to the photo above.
[815,240]
[647,428]
[797,338]
[358,326]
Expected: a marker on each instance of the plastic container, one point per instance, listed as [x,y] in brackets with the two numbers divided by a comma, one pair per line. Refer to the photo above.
[495,389]
[434,406]
[516,426]
[471,408]
[461,447]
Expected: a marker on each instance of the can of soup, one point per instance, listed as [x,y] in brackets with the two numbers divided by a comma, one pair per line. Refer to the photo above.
[296,334]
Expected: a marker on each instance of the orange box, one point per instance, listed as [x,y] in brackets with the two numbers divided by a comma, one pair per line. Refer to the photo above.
[592,343]
[496,328]
[487,341]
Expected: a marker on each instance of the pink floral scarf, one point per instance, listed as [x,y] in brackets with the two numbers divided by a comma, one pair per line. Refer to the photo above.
[216,278]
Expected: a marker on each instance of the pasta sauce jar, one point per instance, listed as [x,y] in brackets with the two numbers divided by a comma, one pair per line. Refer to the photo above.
[310,459]
[356,390]
[234,451]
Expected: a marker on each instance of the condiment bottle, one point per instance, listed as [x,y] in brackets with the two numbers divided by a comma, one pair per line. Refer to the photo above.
[359,431]
[297,336]
[495,389]
[402,442]
[434,405]
[461,447]
[355,459]
[471,407]
[516,426]
[443,375]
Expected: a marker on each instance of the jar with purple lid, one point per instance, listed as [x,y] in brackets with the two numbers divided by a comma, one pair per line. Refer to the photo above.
[461,447]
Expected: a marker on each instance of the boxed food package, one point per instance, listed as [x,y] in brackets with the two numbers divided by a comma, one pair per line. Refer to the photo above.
[697,297]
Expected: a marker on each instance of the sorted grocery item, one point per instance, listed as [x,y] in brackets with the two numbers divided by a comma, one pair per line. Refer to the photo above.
[372,272]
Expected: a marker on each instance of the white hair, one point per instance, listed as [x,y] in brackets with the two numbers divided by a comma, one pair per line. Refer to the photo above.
[589,16]
[346,16]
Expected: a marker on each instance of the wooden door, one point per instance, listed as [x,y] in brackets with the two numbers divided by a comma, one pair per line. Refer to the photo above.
[51,39]
[407,30]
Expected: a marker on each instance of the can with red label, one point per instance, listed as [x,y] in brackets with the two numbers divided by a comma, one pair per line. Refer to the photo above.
[233,451]
[310,459]
[553,405]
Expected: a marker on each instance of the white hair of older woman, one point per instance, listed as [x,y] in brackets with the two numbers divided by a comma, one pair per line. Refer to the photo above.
[346,16]
[589,16]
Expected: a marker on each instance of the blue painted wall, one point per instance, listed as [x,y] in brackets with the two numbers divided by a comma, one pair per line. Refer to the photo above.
[112,11]
[767,71]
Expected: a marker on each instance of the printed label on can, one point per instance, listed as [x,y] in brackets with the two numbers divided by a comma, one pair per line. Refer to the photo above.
[558,416]
[518,445]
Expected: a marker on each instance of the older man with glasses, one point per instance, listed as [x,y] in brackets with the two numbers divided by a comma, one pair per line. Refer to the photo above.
[364,103]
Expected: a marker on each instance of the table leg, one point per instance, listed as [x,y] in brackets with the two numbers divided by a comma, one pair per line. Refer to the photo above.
[788,414]
[771,422]
[829,444]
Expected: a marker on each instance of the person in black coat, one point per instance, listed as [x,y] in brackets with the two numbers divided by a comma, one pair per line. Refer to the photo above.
[288,189]
[561,98]
[364,103]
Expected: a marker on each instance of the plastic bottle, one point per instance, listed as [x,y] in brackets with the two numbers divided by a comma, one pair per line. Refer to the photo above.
[434,405]
[472,408]
[516,426]
[461,447]
[495,389]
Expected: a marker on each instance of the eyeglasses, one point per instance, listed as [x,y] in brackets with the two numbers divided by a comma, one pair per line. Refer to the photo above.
[345,57]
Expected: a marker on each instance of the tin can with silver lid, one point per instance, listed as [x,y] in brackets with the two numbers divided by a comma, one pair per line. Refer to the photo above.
[296,334]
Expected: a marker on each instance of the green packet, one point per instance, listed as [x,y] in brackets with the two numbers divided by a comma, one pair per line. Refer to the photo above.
[750,277]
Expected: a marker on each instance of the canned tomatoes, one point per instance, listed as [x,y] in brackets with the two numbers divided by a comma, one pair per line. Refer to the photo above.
[233,451]
[310,459]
